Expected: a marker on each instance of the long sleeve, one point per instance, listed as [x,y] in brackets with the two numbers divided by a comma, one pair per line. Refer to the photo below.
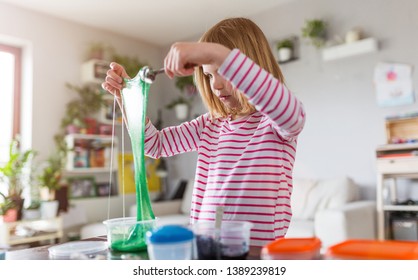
[268,94]
[175,139]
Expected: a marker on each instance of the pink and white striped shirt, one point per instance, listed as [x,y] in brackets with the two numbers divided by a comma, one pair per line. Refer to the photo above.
[245,164]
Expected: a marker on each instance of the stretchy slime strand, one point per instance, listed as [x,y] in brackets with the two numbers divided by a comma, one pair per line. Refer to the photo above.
[135,99]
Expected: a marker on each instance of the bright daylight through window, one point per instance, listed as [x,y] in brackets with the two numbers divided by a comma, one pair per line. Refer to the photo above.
[6,104]
[10,59]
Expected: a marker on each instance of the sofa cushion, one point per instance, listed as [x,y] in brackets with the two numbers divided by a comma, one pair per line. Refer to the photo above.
[301,228]
[300,197]
[310,196]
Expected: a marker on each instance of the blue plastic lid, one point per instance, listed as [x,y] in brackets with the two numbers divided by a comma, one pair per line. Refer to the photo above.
[169,234]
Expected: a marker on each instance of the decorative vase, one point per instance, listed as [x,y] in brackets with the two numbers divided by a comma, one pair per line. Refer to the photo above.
[49,209]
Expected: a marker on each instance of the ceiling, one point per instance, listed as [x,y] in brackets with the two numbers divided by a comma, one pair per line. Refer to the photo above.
[159,22]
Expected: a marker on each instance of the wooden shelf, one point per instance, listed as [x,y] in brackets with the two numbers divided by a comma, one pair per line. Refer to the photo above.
[287,61]
[346,50]
[82,146]
[43,230]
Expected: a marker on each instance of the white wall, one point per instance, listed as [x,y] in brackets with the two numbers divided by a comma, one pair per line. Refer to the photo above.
[57,48]
[54,51]
[344,123]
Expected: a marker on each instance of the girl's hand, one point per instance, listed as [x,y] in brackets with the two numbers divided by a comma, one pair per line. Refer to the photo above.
[114,79]
[183,57]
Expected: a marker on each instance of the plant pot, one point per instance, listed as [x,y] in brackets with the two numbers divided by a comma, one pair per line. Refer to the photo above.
[31,214]
[49,209]
[10,215]
[182,111]
[352,36]
[284,54]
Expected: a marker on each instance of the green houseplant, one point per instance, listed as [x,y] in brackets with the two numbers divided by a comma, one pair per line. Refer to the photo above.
[8,209]
[315,31]
[49,181]
[286,43]
[132,65]
[182,104]
[50,177]
[186,85]
[285,49]
[13,173]
[89,102]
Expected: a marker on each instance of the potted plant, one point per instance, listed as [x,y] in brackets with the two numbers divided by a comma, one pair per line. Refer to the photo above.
[78,111]
[182,104]
[181,107]
[49,182]
[132,65]
[186,85]
[15,172]
[8,209]
[315,31]
[285,50]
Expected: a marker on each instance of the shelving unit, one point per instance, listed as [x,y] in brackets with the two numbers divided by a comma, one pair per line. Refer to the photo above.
[88,165]
[94,71]
[346,50]
[393,162]
[91,153]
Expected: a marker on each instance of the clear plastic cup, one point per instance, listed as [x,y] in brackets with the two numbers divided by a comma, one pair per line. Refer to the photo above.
[128,234]
[170,242]
[230,242]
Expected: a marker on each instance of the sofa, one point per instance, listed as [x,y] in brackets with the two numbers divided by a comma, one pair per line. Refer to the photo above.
[329,209]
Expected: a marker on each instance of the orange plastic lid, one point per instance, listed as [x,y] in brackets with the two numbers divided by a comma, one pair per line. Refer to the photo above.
[292,245]
[374,250]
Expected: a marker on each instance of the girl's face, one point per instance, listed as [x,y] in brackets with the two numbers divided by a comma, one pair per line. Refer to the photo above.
[221,87]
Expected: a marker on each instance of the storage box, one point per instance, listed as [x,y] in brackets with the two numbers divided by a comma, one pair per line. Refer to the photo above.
[405,228]
[373,250]
[292,249]
[402,130]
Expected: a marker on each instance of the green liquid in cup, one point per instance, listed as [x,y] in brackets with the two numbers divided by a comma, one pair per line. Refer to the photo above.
[135,243]
[135,99]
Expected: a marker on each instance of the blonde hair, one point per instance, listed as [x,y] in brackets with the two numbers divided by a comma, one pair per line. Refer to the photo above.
[245,35]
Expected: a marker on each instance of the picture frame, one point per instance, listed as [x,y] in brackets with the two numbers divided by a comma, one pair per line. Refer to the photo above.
[106,112]
[81,187]
[103,189]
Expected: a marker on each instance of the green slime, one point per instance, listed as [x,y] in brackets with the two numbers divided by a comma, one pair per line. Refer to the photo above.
[134,95]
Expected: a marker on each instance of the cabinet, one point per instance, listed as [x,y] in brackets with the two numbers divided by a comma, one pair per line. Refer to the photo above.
[28,231]
[394,161]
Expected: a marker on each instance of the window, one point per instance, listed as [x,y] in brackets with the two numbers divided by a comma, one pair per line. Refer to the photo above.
[10,87]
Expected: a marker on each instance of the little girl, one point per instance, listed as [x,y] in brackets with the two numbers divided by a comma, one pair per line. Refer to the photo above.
[246,143]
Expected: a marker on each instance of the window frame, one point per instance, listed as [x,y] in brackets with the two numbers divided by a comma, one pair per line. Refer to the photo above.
[17,86]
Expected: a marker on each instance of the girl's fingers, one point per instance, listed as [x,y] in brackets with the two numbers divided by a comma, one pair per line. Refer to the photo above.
[110,81]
